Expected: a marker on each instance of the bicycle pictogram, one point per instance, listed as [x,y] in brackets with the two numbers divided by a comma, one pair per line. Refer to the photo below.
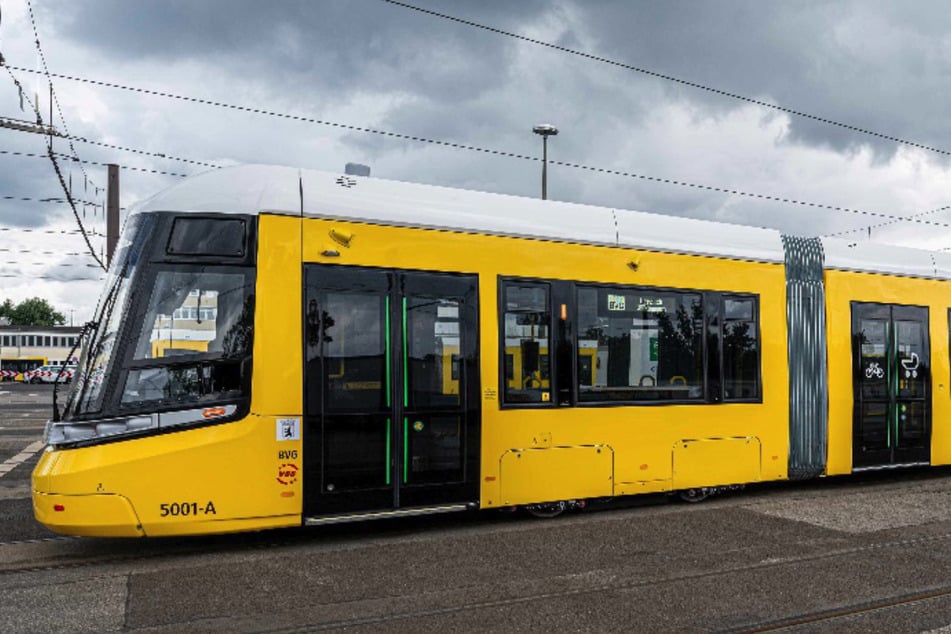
[874,371]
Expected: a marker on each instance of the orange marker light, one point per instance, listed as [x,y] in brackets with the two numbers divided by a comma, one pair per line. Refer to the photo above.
[564,312]
[213,412]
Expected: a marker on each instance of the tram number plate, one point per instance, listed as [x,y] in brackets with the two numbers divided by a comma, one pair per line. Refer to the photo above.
[183,509]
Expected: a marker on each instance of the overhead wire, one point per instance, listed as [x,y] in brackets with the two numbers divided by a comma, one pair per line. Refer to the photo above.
[69,157]
[52,199]
[891,218]
[53,96]
[488,151]
[50,278]
[49,146]
[684,82]
[21,263]
[698,86]
[885,224]
[160,155]
[35,252]
[49,231]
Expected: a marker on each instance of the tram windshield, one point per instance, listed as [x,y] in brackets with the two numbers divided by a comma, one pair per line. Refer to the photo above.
[194,334]
[174,325]
[100,344]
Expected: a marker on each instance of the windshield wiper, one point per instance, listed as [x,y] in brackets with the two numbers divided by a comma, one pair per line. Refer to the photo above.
[89,325]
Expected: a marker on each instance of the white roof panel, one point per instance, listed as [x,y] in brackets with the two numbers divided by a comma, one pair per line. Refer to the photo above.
[376,200]
[878,258]
[251,189]
[701,237]
[246,189]
[254,188]
[942,262]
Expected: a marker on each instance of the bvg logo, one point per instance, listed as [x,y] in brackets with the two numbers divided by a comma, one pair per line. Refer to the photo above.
[287,473]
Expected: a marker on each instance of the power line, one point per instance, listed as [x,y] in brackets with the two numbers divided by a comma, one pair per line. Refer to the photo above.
[472,148]
[890,222]
[50,278]
[55,200]
[50,231]
[49,143]
[69,157]
[21,263]
[62,182]
[128,167]
[144,152]
[34,252]
[670,78]
[53,96]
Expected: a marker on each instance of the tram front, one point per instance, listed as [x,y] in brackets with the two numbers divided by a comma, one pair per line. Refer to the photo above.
[157,436]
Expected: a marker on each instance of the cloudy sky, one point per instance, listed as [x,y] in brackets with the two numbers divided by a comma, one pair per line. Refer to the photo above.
[882,67]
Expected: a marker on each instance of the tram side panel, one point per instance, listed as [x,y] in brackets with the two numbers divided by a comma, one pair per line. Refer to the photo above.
[540,446]
[545,451]
[888,371]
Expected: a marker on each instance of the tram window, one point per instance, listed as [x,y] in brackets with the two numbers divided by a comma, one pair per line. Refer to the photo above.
[639,345]
[207,236]
[354,342]
[873,337]
[192,359]
[433,340]
[526,341]
[740,336]
[167,333]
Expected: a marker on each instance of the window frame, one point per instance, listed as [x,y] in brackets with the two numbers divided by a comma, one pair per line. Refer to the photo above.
[564,337]
[722,321]
[705,299]
[502,285]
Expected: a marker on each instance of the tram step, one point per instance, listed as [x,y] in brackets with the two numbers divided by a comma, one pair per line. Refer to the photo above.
[381,515]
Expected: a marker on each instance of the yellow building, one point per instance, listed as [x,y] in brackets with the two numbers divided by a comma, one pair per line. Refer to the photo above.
[23,348]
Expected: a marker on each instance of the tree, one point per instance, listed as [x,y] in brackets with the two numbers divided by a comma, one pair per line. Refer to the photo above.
[31,312]
[6,310]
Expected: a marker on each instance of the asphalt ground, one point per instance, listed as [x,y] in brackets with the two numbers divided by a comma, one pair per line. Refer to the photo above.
[870,554]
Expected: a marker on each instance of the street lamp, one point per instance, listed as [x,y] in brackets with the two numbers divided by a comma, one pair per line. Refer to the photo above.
[545,130]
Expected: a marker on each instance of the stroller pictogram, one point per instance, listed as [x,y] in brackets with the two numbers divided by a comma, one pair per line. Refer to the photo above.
[911,366]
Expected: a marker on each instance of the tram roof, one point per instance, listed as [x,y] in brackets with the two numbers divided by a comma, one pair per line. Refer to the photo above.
[254,189]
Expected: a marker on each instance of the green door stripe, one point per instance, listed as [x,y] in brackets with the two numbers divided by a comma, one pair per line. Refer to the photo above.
[389,440]
[405,360]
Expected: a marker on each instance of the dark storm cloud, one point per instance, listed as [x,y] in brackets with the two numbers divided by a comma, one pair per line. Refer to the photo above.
[312,47]
[872,64]
[875,65]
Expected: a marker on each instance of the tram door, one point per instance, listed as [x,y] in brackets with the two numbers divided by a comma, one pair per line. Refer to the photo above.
[892,379]
[391,390]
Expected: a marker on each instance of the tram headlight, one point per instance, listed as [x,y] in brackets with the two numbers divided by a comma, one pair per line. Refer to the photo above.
[66,433]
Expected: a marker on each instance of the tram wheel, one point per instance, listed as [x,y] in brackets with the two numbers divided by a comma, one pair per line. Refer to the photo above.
[547,510]
[698,494]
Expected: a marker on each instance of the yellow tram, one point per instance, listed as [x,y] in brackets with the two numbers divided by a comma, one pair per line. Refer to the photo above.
[277,347]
